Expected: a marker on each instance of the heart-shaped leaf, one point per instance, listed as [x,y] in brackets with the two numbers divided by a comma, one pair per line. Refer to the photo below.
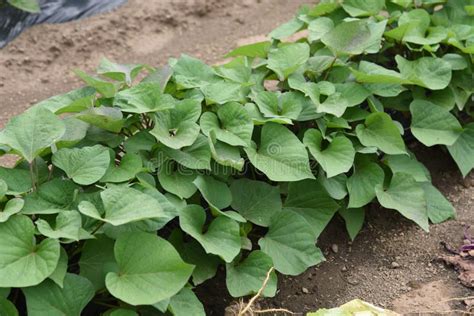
[287,58]
[380,131]
[336,158]
[123,205]
[49,299]
[257,201]
[32,132]
[432,124]
[309,199]
[246,277]
[23,262]
[462,150]
[221,238]
[177,127]
[290,243]
[149,269]
[281,155]
[84,165]
[406,196]
[231,125]
[143,98]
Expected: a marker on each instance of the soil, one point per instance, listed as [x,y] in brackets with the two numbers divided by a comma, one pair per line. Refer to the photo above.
[392,263]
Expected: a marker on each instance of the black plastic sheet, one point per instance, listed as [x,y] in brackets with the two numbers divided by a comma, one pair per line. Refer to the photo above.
[14,21]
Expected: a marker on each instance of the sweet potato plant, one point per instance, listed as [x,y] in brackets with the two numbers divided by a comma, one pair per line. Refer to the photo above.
[134,189]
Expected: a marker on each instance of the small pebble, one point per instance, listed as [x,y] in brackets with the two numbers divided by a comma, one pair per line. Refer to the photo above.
[335,248]
[395,265]
[305,290]
[344,269]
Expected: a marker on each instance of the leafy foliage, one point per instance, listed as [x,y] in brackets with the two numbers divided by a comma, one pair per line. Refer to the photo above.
[130,193]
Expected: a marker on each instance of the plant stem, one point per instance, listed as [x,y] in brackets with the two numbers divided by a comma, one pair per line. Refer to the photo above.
[32,174]
[97,228]
[329,69]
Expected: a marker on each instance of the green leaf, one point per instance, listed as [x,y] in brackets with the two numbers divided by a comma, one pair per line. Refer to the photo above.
[196,156]
[361,184]
[225,154]
[290,244]
[336,158]
[286,59]
[130,165]
[406,196]
[462,150]
[186,303]
[143,98]
[433,125]
[429,72]
[438,207]
[106,88]
[407,164]
[84,165]
[318,27]
[97,259]
[23,262]
[372,73]
[246,277]
[51,197]
[347,95]
[215,192]
[192,252]
[48,299]
[259,49]
[124,73]
[4,292]
[189,72]
[76,130]
[110,119]
[354,219]
[257,201]
[61,269]
[7,308]
[31,6]
[123,205]
[221,238]
[350,38]
[358,8]
[177,128]
[18,180]
[68,226]
[309,199]
[73,101]
[179,182]
[122,312]
[335,186]
[142,140]
[287,29]
[32,132]
[281,156]
[232,124]
[12,207]
[237,70]
[380,131]
[150,269]
[414,27]
[276,105]
[222,91]
[324,8]
[456,61]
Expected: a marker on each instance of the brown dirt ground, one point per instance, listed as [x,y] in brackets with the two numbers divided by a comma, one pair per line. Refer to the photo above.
[39,64]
